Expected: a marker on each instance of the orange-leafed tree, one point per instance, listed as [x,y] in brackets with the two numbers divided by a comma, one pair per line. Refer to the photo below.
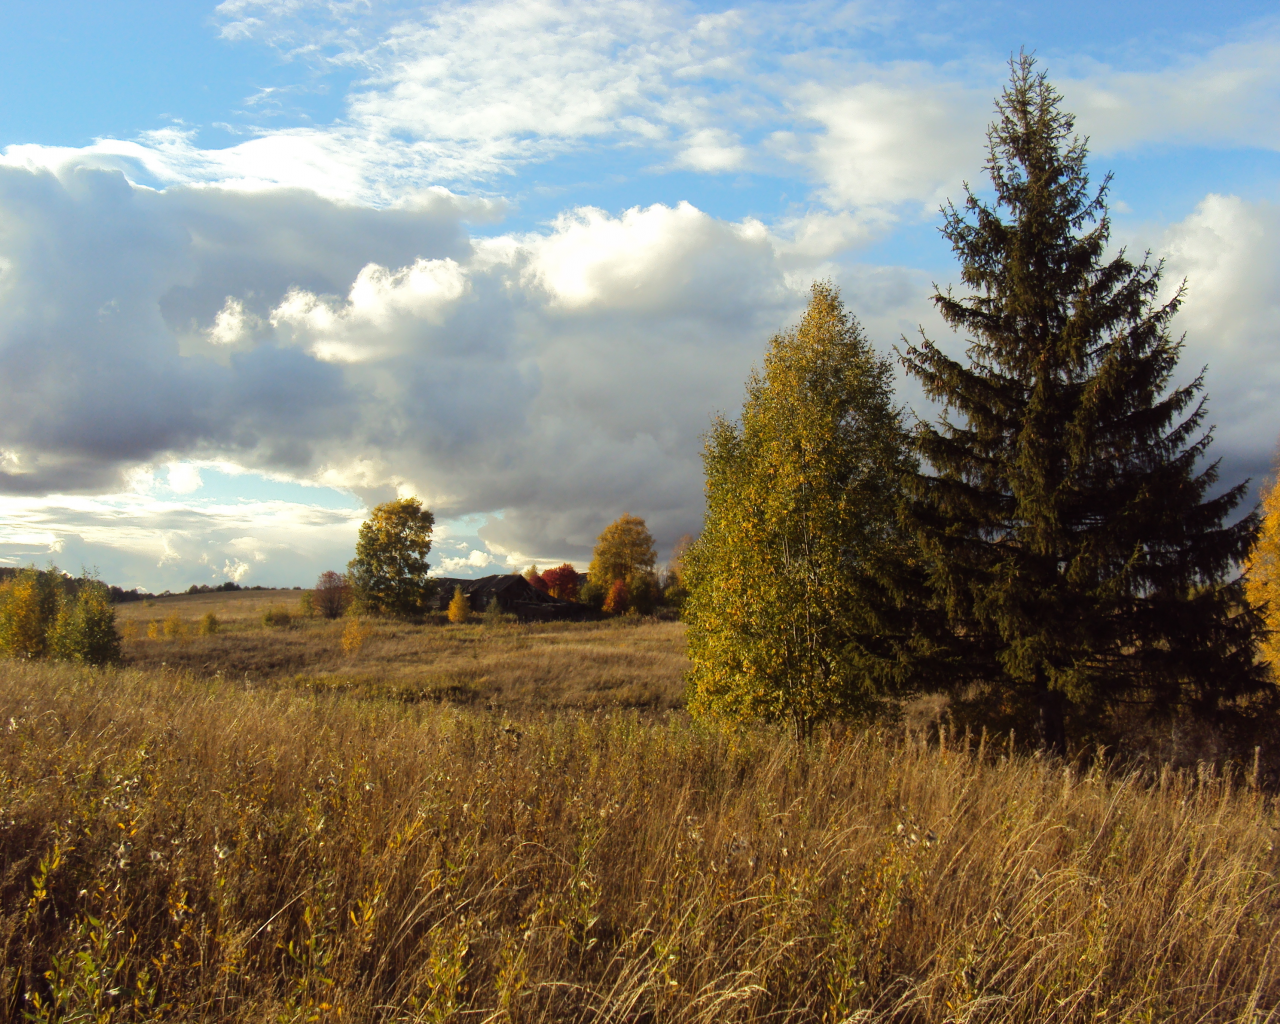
[624,548]
[619,599]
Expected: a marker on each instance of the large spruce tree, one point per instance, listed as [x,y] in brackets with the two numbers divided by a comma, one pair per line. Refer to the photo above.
[791,610]
[1066,524]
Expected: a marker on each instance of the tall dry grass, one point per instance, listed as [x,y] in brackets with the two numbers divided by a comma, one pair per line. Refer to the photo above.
[176,849]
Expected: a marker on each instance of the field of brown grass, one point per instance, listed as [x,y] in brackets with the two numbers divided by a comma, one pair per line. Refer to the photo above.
[236,606]
[191,848]
[637,663]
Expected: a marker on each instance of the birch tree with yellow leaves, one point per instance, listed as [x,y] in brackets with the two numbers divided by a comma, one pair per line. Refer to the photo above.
[791,606]
[1262,575]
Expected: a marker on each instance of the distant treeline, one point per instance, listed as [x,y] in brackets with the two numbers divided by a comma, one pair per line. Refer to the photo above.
[118,595]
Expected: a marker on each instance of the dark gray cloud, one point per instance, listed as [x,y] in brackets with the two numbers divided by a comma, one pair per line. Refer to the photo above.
[559,378]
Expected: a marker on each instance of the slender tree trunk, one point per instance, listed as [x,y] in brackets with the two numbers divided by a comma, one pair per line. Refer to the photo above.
[1052,724]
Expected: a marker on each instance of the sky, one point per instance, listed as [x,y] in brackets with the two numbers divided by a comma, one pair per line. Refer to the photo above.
[267,263]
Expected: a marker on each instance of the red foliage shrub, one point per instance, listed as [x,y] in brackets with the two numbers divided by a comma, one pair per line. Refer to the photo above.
[332,594]
[562,582]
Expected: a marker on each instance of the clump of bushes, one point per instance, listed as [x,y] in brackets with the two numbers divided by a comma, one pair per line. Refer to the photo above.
[277,618]
[209,624]
[44,613]
[495,616]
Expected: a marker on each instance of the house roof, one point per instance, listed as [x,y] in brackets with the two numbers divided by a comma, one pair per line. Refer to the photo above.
[510,585]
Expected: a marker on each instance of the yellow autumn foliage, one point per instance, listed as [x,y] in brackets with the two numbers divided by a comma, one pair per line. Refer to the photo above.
[459,606]
[1262,574]
[800,533]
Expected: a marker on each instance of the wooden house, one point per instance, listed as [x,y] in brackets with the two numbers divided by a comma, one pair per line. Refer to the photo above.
[513,594]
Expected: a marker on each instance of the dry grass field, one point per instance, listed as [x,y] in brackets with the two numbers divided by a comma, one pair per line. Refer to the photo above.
[190,848]
[237,606]
[617,663]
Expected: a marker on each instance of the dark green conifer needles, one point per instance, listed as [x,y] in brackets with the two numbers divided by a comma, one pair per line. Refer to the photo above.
[1066,529]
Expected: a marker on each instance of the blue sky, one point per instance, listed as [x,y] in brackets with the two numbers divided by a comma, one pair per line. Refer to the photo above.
[266,262]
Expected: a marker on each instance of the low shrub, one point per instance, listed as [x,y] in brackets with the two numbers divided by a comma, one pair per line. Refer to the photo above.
[277,618]
[354,634]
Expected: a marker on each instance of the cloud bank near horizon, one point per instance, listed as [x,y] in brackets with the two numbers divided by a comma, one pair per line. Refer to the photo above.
[349,305]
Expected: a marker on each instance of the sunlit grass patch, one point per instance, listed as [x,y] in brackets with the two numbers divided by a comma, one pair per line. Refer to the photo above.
[175,847]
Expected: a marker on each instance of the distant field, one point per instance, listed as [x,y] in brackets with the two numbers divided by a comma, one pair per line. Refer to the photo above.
[618,663]
[237,605]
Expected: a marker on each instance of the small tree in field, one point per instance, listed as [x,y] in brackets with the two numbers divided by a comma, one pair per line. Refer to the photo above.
[459,606]
[28,610]
[791,607]
[562,582]
[332,594]
[389,573]
[98,640]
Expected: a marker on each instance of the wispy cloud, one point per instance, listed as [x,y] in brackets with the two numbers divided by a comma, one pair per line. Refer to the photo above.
[146,540]
[468,94]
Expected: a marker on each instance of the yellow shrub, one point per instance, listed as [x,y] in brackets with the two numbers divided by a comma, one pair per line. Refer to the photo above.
[27,610]
[354,635]
[154,630]
[41,614]
[459,607]
[209,624]
[85,629]
[129,630]
[174,627]
[279,618]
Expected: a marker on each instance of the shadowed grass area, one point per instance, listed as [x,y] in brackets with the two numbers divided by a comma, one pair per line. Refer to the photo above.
[174,848]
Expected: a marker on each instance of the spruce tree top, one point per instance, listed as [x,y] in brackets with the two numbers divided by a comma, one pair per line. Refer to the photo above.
[1065,525]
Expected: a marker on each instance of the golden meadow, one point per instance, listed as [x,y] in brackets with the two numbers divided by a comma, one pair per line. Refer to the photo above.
[518,823]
